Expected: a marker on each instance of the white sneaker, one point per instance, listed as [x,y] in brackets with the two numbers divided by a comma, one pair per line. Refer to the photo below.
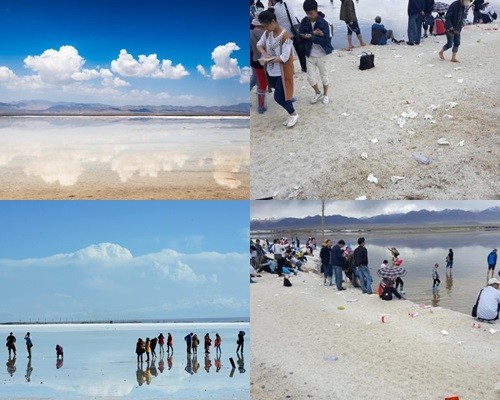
[285,123]
[293,120]
[317,96]
[326,100]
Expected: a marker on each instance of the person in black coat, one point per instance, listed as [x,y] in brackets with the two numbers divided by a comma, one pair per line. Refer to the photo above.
[454,23]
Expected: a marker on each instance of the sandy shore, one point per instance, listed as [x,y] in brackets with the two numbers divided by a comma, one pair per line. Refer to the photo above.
[304,347]
[106,185]
[321,156]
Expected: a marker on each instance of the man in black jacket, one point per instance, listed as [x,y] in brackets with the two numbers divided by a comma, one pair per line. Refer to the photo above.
[361,264]
[338,262]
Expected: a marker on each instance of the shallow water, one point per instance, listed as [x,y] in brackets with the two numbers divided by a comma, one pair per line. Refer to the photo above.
[59,150]
[393,13]
[100,361]
[420,251]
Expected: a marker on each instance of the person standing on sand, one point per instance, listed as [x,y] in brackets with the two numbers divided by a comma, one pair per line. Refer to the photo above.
[325,254]
[348,15]
[276,48]
[316,34]
[29,344]
[11,344]
[449,259]
[416,12]
[338,262]
[435,276]
[257,68]
[492,262]
[361,263]
[454,23]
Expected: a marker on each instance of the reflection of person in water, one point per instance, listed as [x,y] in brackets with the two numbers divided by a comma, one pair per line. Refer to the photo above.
[435,296]
[29,370]
[11,365]
[139,374]
[59,363]
[217,344]
[240,341]
[208,362]
[170,342]
[449,279]
[11,344]
[196,364]
[241,364]
[161,364]
[139,349]
[153,369]
[218,364]
[147,374]
[189,365]
[161,342]
[170,362]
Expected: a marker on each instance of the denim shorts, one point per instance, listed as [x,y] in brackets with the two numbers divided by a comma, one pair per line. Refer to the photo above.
[353,28]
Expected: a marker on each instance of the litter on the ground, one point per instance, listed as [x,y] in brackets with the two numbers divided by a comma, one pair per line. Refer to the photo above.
[452,104]
[492,331]
[413,314]
[460,80]
[372,178]
[396,178]
[331,358]
[410,114]
[364,156]
[427,116]
[461,143]
[443,141]
[444,333]
[360,198]
[421,159]
[375,140]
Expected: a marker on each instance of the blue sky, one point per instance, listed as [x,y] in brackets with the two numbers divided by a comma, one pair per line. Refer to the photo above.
[87,36]
[124,259]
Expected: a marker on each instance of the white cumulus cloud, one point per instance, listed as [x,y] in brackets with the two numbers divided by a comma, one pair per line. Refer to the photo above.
[225,66]
[146,66]
[202,71]
[6,74]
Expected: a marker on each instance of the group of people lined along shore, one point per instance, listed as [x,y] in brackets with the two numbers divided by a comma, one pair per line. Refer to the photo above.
[149,346]
[277,39]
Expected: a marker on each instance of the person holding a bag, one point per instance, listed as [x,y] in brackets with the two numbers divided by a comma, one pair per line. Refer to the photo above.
[316,34]
[287,19]
[276,49]
[454,22]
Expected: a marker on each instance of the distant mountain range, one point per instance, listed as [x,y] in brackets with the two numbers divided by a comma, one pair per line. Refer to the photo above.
[42,107]
[413,218]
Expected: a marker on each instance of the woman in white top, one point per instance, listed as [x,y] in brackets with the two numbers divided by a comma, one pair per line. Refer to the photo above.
[276,48]
[280,10]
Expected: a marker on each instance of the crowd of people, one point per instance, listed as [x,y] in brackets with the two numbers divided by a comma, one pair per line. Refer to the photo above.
[278,37]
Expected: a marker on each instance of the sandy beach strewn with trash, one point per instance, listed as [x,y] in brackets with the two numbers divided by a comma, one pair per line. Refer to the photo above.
[409,103]
[310,341]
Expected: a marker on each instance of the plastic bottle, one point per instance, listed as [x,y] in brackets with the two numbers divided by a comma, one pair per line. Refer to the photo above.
[421,159]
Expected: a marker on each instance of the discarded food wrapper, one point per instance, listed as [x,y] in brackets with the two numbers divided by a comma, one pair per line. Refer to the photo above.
[410,114]
[295,194]
[421,159]
[430,65]
[460,80]
[344,114]
[331,358]
[452,104]
[443,141]
[448,116]
[338,325]
[413,314]
[444,333]
[296,187]
[427,116]
[364,156]
[433,107]
[360,198]
[372,178]
[291,154]
[492,331]
[375,140]
[461,143]
[384,318]
[424,306]
[458,68]
[396,178]
[401,122]
[448,76]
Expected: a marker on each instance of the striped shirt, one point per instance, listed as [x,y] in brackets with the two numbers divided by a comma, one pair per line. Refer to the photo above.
[282,17]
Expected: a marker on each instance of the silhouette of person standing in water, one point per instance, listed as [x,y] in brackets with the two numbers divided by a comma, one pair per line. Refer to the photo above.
[161,342]
[139,350]
[241,341]
[29,344]
[11,344]
[169,343]
[189,340]
[29,370]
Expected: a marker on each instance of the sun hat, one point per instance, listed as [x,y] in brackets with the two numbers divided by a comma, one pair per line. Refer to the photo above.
[493,280]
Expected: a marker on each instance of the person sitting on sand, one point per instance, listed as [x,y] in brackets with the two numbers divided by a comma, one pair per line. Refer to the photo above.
[454,23]
[388,290]
[488,305]
[488,14]
[348,15]
[315,32]
[435,276]
[380,34]
[276,48]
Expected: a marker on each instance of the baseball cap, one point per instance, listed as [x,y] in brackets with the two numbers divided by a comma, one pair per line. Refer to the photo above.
[493,280]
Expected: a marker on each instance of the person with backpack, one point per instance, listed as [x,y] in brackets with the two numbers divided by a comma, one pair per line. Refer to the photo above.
[315,32]
[454,23]
[276,49]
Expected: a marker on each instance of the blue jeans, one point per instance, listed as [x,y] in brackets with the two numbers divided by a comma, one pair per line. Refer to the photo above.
[453,41]
[328,271]
[365,279]
[337,269]
[414,28]
[279,94]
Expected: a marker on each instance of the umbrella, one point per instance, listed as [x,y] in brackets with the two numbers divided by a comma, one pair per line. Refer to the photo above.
[440,7]
[391,272]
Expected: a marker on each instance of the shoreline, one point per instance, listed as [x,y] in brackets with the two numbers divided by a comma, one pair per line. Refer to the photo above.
[131,116]
[316,350]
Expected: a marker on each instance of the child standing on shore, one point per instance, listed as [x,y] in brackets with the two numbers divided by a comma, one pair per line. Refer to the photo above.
[435,276]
